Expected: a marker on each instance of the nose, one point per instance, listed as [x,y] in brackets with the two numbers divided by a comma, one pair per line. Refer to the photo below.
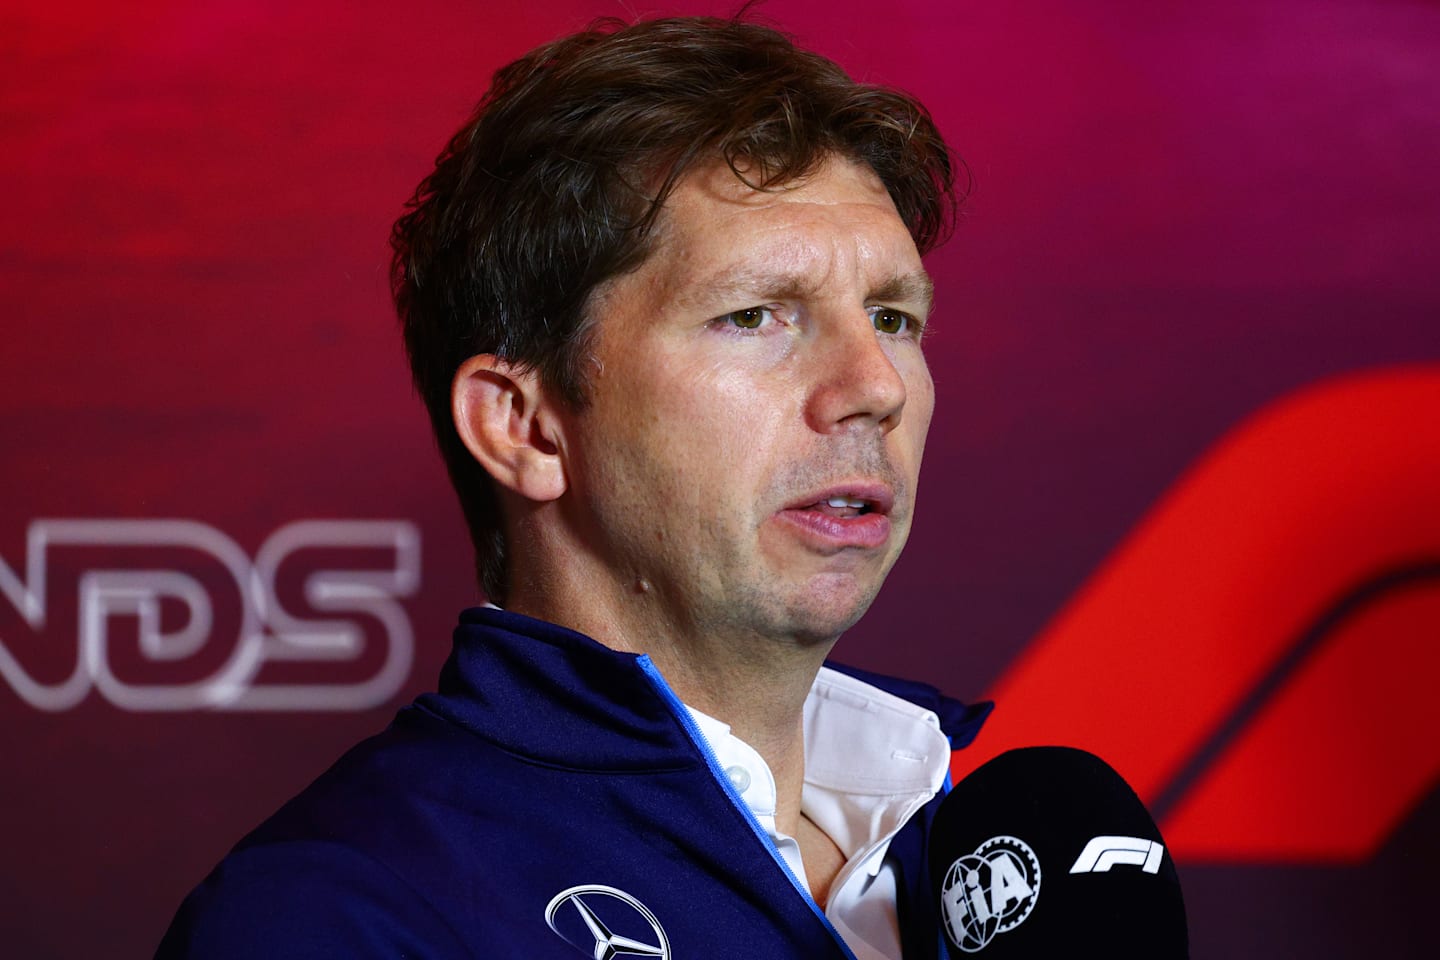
[857,385]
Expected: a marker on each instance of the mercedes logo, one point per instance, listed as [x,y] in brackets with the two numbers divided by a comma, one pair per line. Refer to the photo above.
[603,922]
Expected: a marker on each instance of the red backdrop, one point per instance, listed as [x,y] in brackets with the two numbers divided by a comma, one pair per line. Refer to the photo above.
[1180,501]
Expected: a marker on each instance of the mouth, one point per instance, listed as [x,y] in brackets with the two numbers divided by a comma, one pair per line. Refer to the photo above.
[852,516]
[844,507]
[851,500]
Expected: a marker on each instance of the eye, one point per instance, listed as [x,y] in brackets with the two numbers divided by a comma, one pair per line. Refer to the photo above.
[751,318]
[891,321]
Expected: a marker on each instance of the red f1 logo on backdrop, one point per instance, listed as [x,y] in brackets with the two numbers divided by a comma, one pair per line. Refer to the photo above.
[1259,657]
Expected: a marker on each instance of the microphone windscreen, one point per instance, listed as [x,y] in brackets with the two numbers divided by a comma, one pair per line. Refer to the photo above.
[1047,852]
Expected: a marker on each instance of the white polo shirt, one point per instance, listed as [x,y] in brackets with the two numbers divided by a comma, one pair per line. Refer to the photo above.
[871,761]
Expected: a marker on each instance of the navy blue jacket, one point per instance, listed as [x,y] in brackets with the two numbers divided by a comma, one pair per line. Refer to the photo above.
[552,790]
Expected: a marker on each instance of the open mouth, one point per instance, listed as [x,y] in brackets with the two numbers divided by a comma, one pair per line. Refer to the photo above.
[845,501]
[839,519]
[843,507]
[851,514]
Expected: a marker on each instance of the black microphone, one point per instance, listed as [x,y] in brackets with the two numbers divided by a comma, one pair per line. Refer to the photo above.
[1046,852]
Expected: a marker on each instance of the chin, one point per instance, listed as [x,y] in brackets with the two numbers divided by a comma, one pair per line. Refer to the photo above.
[830,606]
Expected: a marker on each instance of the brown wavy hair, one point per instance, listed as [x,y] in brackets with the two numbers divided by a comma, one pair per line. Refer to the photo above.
[555,183]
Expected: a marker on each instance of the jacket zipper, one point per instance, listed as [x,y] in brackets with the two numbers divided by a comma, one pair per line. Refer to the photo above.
[702,743]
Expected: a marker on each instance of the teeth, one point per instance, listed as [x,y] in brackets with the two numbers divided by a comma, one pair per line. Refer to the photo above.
[840,502]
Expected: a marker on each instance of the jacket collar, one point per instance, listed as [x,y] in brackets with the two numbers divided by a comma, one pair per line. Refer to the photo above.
[557,697]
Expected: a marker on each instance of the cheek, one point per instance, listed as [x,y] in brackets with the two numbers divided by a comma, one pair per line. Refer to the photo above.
[686,435]
[919,399]
[734,403]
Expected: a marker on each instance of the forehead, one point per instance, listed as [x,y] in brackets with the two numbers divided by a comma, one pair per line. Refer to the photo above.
[717,235]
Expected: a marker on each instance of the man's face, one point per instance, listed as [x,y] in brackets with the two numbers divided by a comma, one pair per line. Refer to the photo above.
[759,406]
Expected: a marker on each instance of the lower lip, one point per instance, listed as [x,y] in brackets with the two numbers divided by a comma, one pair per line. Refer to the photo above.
[866,531]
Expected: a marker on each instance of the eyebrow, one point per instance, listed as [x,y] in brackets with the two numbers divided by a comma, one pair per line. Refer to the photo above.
[911,287]
[745,284]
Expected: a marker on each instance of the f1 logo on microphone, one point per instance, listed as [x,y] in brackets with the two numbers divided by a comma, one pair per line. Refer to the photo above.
[1102,853]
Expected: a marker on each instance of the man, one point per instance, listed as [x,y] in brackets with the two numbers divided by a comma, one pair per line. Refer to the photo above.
[664,301]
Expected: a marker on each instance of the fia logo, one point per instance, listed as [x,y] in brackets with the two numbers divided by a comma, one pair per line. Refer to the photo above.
[988,892]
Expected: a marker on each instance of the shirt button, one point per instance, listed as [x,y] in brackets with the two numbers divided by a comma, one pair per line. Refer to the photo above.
[739,778]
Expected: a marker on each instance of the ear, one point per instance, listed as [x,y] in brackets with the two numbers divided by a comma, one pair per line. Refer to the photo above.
[502,415]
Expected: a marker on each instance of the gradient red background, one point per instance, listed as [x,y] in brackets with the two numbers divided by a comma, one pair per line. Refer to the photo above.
[1180,498]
